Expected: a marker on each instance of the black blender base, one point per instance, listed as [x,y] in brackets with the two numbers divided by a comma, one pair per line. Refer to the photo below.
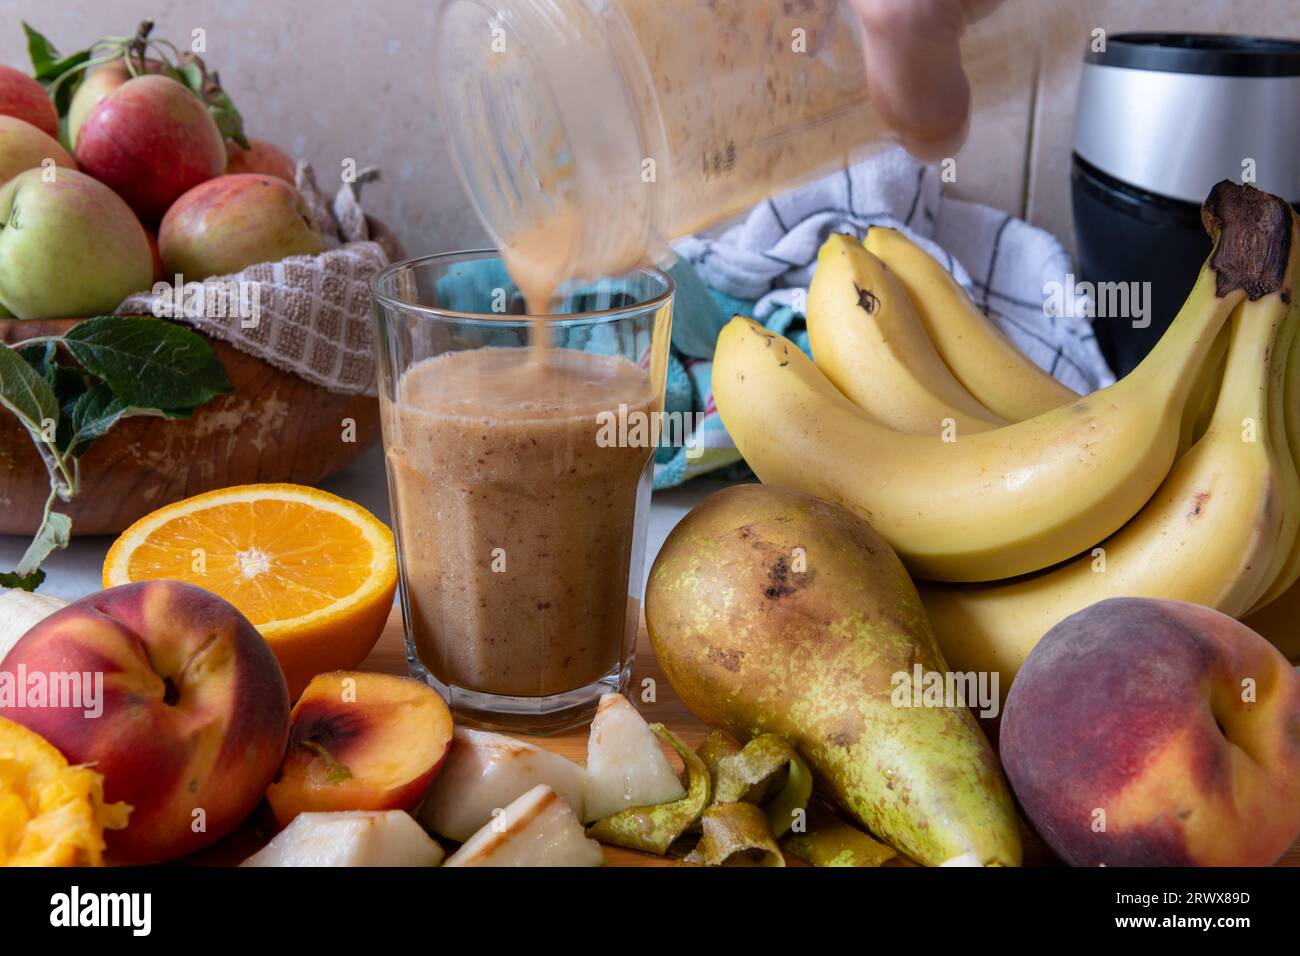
[1131,236]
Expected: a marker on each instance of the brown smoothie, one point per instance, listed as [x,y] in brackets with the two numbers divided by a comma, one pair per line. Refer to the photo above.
[517,526]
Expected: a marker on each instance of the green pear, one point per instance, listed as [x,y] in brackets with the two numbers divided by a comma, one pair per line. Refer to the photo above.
[772,611]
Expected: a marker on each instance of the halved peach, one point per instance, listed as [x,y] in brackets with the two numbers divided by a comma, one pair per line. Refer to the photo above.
[361,741]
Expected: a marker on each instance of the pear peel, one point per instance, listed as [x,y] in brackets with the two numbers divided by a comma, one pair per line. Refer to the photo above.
[829,841]
[735,834]
[653,829]
[749,773]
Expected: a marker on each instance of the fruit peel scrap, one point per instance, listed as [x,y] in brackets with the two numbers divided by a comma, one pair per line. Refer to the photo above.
[749,774]
[735,834]
[831,842]
[653,829]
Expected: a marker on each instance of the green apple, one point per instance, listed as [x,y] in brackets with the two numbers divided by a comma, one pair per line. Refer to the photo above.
[234,221]
[24,147]
[69,246]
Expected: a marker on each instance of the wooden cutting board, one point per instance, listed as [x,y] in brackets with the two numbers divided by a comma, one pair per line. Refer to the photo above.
[389,656]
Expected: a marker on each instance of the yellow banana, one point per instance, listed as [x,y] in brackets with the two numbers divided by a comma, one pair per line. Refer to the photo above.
[1208,536]
[866,338]
[983,359]
[989,505]
[1280,575]
[1205,393]
[1288,418]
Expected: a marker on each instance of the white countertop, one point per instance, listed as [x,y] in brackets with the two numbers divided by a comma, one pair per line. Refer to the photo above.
[76,572]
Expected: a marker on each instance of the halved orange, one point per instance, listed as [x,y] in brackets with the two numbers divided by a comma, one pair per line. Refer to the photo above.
[313,572]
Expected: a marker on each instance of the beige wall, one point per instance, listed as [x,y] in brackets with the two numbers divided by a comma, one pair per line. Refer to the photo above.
[333,79]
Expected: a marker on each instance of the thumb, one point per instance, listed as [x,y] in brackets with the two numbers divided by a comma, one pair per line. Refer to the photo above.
[914,71]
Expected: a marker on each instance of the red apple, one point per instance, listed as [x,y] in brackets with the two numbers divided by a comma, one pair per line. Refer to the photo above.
[98,83]
[361,741]
[69,246]
[23,97]
[232,222]
[262,157]
[192,713]
[24,147]
[151,140]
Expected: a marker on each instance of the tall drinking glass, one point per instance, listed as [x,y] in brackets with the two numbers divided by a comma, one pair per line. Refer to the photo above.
[519,452]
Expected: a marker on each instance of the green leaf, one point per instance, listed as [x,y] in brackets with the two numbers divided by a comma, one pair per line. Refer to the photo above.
[51,70]
[191,74]
[54,534]
[227,118]
[68,383]
[23,582]
[96,412]
[67,87]
[41,50]
[148,363]
[26,393]
[40,356]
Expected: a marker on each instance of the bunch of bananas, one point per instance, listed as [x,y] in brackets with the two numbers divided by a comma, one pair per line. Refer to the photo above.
[1014,501]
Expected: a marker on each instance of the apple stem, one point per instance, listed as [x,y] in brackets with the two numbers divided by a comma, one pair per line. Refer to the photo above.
[113,48]
[138,47]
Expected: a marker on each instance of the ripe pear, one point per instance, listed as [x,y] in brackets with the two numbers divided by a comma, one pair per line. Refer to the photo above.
[772,611]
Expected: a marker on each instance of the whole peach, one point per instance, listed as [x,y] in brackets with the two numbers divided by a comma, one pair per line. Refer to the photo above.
[1144,732]
[182,707]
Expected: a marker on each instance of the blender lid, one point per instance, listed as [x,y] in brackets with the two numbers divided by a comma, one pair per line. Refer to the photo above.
[1173,114]
[1210,54]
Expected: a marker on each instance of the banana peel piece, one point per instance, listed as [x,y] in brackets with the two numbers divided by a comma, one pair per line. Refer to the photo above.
[653,829]
[735,834]
[749,774]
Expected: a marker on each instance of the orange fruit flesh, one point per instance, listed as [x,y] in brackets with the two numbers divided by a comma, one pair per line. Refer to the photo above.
[274,559]
[314,573]
[51,814]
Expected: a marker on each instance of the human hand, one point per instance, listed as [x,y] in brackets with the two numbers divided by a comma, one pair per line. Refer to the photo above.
[914,69]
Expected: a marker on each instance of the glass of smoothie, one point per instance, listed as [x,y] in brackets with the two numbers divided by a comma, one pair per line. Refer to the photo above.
[519,451]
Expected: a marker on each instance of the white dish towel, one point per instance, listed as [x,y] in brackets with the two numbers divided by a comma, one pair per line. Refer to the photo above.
[1004,262]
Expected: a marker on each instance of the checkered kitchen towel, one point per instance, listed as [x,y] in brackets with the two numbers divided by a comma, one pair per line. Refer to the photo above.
[309,315]
[755,268]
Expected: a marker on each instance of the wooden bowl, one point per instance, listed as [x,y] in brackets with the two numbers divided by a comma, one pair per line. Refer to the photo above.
[274,426]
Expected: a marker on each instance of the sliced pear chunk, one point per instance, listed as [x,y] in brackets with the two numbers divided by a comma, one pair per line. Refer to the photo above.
[485,772]
[350,838]
[626,766]
[538,829]
[20,611]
